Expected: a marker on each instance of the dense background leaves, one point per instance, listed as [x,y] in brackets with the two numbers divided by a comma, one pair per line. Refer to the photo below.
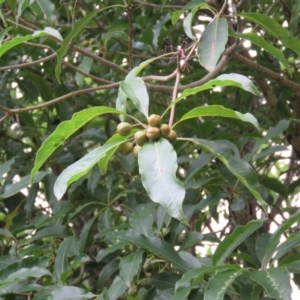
[228,228]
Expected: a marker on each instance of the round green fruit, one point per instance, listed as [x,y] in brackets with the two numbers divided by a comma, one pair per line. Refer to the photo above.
[153,133]
[126,148]
[92,41]
[164,130]
[2,217]
[136,151]
[85,43]
[154,120]
[124,128]
[172,136]
[141,137]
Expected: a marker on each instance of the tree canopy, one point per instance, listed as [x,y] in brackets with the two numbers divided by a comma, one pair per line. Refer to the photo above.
[149,149]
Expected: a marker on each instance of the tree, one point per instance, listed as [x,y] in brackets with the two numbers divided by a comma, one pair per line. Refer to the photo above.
[205,94]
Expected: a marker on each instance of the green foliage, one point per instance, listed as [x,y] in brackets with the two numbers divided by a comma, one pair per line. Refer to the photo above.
[208,211]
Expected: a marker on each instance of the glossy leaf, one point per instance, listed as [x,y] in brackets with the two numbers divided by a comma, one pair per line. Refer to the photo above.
[121,103]
[240,233]
[158,165]
[191,239]
[274,29]
[135,89]
[218,284]
[187,26]
[24,273]
[189,6]
[70,292]
[274,239]
[84,66]
[197,275]
[232,79]
[61,260]
[130,266]
[157,246]
[117,288]
[261,42]
[19,40]
[238,167]
[292,241]
[80,168]
[218,111]
[276,282]
[64,130]
[212,43]
[116,138]
[104,252]
[142,221]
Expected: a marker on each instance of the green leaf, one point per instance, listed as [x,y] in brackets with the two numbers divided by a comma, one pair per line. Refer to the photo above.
[64,130]
[76,29]
[5,167]
[187,26]
[212,43]
[85,232]
[45,9]
[24,273]
[274,239]
[142,221]
[292,241]
[3,34]
[191,5]
[227,246]
[157,246]
[218,111]
[274,185]
[274,29]
[117,288]
[85,66]
[121,103]
[158,165]
[52,231]
[197,275]
[61,260]
[191,239]
[135,89]
[108,270]
[116,138]
[70,292]
[115,247]
[238,167]
[80,168]
[130,266]
[276,281]
[232,79]
[218,284]
[24,182]
[19,40]
[261,42]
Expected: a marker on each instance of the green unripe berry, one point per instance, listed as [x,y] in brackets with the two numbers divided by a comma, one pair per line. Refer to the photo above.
[136,151]
[85,43]
[154,120]
[164,130]
[92,41]
[141,137]
[124,128]
[172,136]
[126,148]
[2,217]
[153,133]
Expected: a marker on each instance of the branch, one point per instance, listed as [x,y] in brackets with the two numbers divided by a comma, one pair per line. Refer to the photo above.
[28,64]
[271,74]
[128,9]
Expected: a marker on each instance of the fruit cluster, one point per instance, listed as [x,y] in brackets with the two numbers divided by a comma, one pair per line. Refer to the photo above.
[154,131]
[87,43]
